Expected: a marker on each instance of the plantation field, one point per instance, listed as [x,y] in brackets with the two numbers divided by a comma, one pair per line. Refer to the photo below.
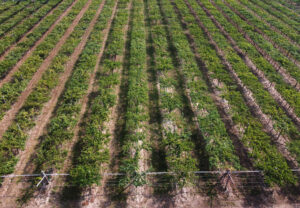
[149,103]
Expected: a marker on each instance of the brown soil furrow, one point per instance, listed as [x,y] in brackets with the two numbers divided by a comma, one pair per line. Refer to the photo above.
[283,72]
[8,50]
[10,74]
[9,116]
[267,123]
[275,29]
[259,31]
[269,86]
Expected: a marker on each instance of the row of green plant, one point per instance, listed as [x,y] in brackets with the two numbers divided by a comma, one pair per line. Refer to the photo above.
[263,98]
[292,22]
[53,152]
[262,153]
[284,28]
[94,137]
[261,63]
[10,91]
[277,38]
[13,10]
[259,40]
[282,9]
[218,145]
[20,16]
[17,33]
[288,92]
[21,48]
[6,5]
[288,5]
[15,137]
[134,138]
[285,124]
[176,132]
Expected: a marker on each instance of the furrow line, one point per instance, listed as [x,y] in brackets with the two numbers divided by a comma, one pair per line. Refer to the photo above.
[10,114]
[10,74]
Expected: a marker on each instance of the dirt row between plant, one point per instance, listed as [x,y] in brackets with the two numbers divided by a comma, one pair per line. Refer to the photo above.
[275,29]
[24,36]
[279,140]
[257,72]
[283,72]
[10,114]
[10,74]
[9,187]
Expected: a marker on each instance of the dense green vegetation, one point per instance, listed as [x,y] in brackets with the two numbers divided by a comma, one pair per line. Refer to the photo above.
[200,85]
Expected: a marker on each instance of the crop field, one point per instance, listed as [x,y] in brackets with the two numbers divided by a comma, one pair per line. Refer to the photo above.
[149,103]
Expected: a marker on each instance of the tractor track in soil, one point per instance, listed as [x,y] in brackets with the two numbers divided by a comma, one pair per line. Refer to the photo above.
[10,114]
[24,36]
[48,108]
[279,140]
[257,72]
[11,72]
